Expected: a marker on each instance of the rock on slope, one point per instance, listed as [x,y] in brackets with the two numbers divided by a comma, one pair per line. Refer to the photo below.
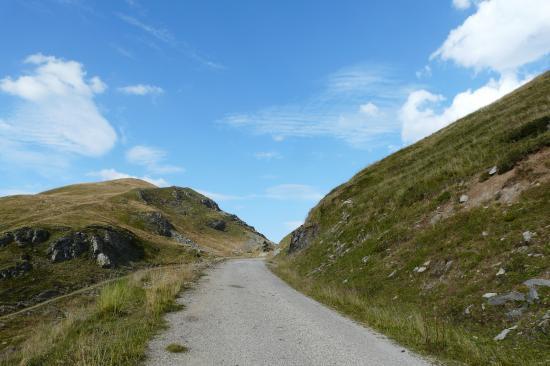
[66,238]
[463,213]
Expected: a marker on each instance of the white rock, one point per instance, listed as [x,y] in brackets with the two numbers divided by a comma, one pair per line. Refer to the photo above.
[463,198]
[392,274]
[527,236]
[365,259]
[504,333]
[501,271]
[427,263]
[484,233]
[420,269]
[493,170]
[345,281]
[103,260]
[488,295]
[467,310]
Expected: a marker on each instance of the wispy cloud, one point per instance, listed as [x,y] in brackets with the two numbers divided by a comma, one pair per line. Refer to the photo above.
[281,192]
[267,155]
[110,174]
[141,89]
[152,159]
[167,37]
[300,192]
[357,105]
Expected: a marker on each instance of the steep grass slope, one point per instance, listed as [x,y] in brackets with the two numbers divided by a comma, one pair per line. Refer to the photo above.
[444,244]
[67,238]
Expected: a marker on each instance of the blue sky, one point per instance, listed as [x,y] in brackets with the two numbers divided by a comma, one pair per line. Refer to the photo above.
[264,106]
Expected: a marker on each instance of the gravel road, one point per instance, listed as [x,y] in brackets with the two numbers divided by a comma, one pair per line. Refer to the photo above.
[242,314]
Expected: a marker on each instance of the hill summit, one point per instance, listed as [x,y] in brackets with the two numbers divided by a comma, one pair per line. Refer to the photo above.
[66,238]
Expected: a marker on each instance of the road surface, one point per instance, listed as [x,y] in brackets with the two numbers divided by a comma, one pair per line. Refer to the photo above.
[242,314]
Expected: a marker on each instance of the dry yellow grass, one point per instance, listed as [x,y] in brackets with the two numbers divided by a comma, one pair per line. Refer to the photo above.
[114,329]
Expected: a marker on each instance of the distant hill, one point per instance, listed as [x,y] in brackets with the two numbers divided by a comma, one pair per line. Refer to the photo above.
[66,238]
[444,245]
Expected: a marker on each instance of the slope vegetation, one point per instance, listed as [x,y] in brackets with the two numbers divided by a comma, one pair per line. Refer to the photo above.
[444,244]
[67,238]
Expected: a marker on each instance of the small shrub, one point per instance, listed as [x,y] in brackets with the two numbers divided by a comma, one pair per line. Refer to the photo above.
[176,348]
[530,129]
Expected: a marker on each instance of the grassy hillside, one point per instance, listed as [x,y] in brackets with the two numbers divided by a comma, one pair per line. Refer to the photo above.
[415,244]
[67,238]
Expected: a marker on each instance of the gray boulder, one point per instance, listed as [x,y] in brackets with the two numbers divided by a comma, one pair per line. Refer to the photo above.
[504,298]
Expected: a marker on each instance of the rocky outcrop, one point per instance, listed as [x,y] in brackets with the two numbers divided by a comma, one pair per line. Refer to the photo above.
[184,240]
[108,246]
[302,237]
[219,225]
[157,223]
[5,239]
[210,204]
[15,271]
[24,236]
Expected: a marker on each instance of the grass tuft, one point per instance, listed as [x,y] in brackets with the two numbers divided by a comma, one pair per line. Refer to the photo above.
[176,348]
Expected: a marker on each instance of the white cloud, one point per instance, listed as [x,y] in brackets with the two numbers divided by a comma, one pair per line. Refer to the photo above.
[110,174]
[338,111]
[462,4]
[151,158]
[267,155]
[420,119]
[369,109]
[501,35]
[292,225]
[57,110]
[141,89]
[293,192]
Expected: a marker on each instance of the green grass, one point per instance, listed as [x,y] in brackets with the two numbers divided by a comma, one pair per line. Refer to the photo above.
[176,348]
[116,204]
[112,330]
[389,220]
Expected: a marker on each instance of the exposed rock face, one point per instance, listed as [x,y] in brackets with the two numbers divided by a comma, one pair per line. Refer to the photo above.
[16,271]
[302,237]
[267,246]
[69,247]
[219,225]
[210,204]
[5,239]
[24,236]
[184,240]
[107,245]
[157,223]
